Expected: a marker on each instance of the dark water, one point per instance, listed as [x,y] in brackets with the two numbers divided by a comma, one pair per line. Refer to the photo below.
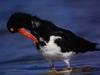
[18,55]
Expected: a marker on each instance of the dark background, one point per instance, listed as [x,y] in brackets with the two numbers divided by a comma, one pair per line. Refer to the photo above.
[18,55]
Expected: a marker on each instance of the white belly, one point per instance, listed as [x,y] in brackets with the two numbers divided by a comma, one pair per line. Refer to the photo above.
[53,52]
[57,55]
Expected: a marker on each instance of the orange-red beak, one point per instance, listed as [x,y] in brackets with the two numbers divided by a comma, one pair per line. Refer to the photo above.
[27,34]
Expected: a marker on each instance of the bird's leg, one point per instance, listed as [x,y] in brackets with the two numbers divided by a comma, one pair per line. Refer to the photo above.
[53,69]
[69,69]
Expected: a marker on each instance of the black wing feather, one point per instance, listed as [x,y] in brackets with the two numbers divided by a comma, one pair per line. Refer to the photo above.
[71,42]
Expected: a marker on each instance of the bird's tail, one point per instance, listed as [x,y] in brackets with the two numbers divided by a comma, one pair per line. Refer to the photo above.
[97,46]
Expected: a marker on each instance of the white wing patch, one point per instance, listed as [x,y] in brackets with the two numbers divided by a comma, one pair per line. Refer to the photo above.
[52,51]
[51,45]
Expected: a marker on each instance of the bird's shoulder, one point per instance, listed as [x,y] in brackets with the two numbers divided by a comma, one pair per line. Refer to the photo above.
[66,40]
[65,34]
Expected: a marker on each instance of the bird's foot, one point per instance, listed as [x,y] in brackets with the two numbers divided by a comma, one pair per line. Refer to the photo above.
[53,70]
[68,69]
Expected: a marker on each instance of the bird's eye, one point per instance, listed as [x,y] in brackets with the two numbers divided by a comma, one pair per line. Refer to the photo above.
[11,29]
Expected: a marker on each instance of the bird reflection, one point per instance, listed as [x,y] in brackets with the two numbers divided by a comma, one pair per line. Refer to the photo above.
[75,71]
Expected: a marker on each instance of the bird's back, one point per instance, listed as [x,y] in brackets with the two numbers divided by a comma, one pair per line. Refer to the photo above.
[72,42]
[69,41]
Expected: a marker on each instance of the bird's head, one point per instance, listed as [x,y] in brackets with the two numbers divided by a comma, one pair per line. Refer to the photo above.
[24,24]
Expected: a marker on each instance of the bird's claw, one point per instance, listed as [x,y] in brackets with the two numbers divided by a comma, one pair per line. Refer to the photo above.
[68,69]
[53,70]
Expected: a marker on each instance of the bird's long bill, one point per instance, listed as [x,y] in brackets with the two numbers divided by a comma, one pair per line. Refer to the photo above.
[27,34]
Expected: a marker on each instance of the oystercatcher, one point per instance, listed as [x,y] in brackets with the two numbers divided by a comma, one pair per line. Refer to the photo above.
[53,42]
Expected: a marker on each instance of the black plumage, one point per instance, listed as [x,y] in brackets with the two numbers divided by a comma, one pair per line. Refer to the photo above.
[45,29]
[55,43]
[69,41]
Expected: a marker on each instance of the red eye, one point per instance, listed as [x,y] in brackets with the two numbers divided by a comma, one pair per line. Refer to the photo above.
[11,29]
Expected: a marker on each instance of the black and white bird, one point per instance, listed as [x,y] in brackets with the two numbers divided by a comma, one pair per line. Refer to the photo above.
[53,42]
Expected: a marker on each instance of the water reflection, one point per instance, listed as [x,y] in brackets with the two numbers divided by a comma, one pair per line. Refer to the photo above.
[75,71]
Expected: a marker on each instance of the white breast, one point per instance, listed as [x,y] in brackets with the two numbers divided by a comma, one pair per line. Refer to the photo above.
[52,51]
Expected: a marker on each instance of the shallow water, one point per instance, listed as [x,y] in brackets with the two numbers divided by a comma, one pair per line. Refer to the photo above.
[17,53]
[35,65]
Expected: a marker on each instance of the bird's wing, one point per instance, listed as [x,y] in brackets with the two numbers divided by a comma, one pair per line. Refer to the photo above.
[71,42]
